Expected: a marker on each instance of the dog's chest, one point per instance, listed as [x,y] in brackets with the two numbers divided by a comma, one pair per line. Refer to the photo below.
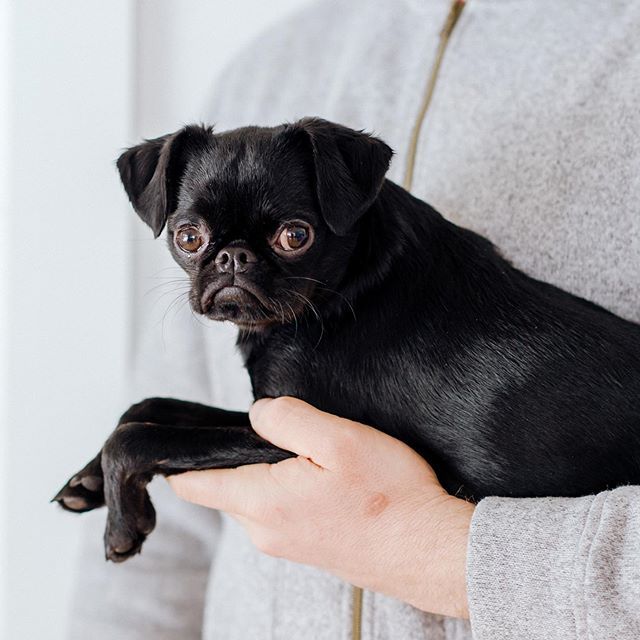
[320,367]
[286,364]
[342,372]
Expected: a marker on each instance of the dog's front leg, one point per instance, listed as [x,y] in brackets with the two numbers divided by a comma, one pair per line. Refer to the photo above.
[137,451]
[85,490]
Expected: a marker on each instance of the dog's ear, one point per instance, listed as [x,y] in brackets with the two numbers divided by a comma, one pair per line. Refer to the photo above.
[349,170]
[151,172]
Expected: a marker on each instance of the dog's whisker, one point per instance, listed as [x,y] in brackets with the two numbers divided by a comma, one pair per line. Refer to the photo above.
[174,287]
[161,282]
[197,318]
[346,300]
[304,278]
[325,288]
[176,304]
[161,298]
[295,319]
[305,299]
[313,308]
[273,304]
[166,279]
[180,298]
[175,269]
[307,302]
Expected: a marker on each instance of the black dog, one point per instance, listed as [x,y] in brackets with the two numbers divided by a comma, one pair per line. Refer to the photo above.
[362,300]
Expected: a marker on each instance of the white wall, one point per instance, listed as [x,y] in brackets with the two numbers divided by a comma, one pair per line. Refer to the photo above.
[65,222]
[4,282]
[80,79]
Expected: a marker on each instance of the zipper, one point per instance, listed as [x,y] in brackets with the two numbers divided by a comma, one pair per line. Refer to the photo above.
[356,620]
[449,25]
[452,18]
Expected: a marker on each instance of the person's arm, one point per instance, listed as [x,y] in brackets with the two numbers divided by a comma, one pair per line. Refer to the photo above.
[556,568]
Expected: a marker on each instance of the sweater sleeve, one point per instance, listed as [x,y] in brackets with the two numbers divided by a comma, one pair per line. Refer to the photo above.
[556,568]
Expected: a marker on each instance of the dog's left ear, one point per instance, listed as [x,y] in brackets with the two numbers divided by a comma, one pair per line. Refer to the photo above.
[151,172]
[349,169]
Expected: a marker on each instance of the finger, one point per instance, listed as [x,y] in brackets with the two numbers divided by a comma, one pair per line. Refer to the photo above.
[236,491]
[294,425]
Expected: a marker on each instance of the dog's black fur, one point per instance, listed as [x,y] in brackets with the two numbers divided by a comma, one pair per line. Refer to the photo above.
[393,316]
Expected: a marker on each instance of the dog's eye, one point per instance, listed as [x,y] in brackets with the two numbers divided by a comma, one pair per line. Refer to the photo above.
[293,236]
[189,238]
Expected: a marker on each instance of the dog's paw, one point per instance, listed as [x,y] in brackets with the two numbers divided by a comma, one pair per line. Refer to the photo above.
[131,516]
[84,491]
[128,526]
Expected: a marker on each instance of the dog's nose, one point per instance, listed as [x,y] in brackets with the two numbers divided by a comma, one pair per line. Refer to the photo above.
[235,260]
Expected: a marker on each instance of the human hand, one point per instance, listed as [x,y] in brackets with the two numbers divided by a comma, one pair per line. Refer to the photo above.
[355,502]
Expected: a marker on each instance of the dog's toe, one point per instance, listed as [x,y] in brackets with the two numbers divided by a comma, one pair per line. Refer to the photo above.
[128,525]
[84,491]
[122,552]
[89,482]
[120,545]
[74,503]
[78,497]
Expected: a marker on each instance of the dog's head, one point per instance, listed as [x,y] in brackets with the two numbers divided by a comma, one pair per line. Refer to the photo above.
[261,219]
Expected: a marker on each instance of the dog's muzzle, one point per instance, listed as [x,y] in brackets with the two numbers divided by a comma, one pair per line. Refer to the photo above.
[231,303]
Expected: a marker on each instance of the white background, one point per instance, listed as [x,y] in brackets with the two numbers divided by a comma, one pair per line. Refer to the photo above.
[79,80]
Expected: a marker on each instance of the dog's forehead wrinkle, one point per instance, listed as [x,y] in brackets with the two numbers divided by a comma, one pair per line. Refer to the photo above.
[253,157]
[197,175]
[250,169]
[248,177]
[240,162]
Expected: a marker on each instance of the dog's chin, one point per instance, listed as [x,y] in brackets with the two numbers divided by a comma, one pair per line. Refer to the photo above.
[238,305]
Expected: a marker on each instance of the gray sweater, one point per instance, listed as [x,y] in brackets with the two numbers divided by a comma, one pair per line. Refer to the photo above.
[533,139]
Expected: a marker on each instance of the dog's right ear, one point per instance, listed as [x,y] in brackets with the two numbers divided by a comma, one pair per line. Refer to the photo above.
[151,172]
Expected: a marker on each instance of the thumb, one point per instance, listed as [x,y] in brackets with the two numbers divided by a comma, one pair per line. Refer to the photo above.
[296,426]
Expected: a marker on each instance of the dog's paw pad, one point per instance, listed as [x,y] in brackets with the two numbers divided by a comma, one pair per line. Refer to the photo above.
[146,520]
[119,548]
[77,497]
[128,529]
[74,503]
[90,483]
[146,526]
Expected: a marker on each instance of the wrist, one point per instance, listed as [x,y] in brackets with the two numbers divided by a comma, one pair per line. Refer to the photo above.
[440,584]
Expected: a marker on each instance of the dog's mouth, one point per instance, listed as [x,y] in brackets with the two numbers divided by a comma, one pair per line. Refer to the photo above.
[240,303]
[239,300]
